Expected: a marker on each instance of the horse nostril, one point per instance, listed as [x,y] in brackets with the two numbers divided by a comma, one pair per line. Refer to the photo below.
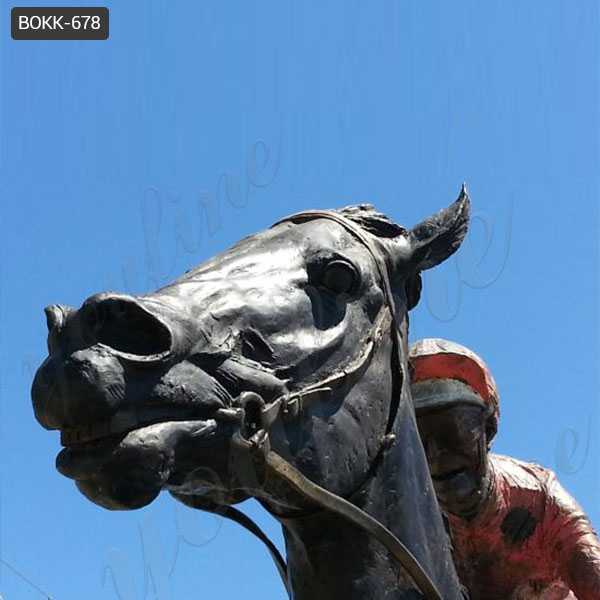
[124,325]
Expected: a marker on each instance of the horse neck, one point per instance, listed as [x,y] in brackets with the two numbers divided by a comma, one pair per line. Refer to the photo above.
[330,558]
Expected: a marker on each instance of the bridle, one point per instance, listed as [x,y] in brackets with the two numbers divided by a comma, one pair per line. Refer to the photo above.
[258,417]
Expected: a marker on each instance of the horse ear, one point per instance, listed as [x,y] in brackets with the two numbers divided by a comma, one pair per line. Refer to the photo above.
[439,236]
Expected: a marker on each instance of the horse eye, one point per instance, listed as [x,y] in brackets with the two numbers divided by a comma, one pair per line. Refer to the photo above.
[339,276]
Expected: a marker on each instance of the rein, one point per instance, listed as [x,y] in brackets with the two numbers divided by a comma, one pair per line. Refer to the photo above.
[258,418]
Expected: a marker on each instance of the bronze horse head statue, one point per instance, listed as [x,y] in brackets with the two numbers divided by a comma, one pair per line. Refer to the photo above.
[294,339]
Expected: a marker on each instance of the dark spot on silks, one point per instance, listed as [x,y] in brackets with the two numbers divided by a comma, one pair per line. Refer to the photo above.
[518,525]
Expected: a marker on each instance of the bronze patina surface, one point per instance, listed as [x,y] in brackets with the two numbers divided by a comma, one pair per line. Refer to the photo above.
[293,341]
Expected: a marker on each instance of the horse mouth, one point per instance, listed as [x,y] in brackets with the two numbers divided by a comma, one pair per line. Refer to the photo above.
[114,429]
[139,442]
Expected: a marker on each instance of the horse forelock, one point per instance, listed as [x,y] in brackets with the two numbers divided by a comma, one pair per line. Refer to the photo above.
[372,221]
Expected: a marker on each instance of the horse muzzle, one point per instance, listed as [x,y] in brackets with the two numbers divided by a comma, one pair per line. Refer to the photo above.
[82,389]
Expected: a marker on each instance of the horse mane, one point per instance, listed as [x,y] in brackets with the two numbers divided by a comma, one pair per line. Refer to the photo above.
[372,220]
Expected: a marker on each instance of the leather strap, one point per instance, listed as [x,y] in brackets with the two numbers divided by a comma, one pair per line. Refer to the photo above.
[237,516]
[247,523]
[338,505]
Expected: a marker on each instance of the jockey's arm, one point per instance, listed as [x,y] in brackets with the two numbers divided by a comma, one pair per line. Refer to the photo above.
[575,547]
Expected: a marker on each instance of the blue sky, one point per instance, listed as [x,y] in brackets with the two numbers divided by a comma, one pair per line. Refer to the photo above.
[257,110]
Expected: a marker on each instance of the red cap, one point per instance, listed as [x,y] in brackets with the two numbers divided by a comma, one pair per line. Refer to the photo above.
[434,358]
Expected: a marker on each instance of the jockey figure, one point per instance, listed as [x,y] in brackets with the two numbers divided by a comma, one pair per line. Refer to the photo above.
[516,532]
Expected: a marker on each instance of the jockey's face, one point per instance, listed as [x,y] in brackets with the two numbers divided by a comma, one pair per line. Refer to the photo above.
[455,443]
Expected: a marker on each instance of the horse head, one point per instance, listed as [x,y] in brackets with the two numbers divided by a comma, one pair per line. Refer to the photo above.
[295,327]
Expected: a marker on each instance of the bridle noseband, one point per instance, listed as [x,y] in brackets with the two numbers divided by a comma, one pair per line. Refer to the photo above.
[258,417]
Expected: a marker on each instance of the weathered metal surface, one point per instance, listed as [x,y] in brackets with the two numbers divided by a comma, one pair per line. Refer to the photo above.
[155,392]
